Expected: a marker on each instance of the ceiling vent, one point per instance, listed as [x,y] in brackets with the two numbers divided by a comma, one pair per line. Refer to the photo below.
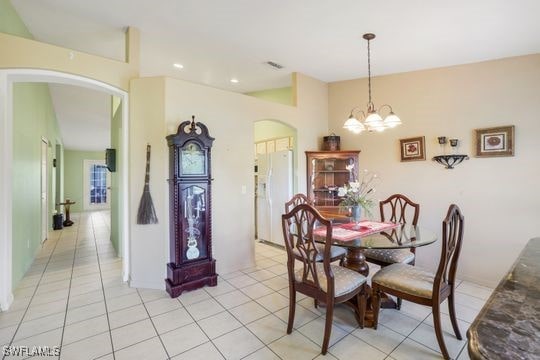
[274,65]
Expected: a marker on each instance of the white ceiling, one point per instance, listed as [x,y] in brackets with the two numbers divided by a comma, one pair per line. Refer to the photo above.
[218,40]
[84,117]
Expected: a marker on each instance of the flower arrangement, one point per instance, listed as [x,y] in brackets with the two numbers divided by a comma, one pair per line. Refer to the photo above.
[356,193]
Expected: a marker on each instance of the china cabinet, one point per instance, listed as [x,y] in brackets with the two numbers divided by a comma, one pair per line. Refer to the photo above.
[326,172]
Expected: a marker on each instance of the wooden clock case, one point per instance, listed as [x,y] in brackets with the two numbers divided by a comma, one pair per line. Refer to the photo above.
[184,271]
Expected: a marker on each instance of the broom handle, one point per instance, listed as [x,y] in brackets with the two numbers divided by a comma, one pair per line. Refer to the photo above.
[147,176]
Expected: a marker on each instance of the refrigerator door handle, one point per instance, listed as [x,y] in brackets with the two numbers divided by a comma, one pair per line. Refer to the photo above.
[268,187]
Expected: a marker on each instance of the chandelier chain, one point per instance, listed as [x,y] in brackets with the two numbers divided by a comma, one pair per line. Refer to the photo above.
[369,70]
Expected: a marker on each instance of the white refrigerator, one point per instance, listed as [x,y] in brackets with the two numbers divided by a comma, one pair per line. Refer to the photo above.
[274,189]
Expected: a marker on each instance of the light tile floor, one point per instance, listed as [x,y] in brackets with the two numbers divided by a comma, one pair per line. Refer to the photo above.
[73,297]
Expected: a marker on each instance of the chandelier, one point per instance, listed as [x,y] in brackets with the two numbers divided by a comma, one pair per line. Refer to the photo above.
[371,120]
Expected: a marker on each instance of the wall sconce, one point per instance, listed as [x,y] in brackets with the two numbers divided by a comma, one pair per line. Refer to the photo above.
[449,161]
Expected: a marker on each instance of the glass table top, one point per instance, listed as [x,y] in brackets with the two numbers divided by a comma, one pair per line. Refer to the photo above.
[403,237]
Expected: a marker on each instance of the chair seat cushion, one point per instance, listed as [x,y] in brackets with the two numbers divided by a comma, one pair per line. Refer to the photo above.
[335,252]
[390,256]
[345,280]
[406,278]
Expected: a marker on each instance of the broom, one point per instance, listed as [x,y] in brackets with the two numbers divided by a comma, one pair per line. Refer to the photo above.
[146,213]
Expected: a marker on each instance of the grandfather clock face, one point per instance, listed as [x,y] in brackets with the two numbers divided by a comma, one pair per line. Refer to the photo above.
[192,160]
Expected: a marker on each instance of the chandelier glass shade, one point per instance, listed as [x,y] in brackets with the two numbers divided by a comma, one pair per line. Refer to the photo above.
[371,119]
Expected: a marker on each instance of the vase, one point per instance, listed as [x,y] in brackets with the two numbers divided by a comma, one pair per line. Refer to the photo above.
[355,213]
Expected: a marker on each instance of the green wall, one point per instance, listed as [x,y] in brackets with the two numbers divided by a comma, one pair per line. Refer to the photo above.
[33,118]
[116,127]
[271,129]
[281,95]
[74,174]
[10,22]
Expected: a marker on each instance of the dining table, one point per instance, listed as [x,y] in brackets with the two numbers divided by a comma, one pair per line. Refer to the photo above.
[367,234]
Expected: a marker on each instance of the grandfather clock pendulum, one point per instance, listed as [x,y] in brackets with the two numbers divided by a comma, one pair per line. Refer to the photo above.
[190,195]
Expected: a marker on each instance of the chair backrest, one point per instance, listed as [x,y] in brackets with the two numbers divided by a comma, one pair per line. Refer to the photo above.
[297,199]
[298,226]
[452,230]
[401,210]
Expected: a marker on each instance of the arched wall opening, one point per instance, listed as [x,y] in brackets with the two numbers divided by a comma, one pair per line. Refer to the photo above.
[9,77]
[276,175]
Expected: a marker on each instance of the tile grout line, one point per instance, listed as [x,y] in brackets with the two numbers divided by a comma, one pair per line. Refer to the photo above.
[270,312]
[153,325]
[465,348]
[34,293]
[69,289]
[409,334]
[244,325]
[102,287]
[196,322]
[225,310]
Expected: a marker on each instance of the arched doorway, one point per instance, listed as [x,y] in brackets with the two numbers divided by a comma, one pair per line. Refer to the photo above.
[8,77]
[275,176]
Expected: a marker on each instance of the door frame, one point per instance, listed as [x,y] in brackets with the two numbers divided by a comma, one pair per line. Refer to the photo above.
[8,77]
[44,218]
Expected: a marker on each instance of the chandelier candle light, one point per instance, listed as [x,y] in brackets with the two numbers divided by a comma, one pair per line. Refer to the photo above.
[372,121]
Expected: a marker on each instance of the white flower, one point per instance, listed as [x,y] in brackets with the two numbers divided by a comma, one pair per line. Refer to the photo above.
[358,192]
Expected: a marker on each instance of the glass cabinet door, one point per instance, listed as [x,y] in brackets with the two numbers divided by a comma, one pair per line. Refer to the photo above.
[327,171]
[194,219]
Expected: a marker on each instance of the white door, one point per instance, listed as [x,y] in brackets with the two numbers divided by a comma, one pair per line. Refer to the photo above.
[44,207]
[97,185]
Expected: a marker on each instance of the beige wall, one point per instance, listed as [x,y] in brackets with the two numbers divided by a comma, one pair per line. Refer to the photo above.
[499,196]
[18,52]
[158,105]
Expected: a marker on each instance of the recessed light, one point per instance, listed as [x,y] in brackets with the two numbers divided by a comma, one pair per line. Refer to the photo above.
[234,81]
[178,66]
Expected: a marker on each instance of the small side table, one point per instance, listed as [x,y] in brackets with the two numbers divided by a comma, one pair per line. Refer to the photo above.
[67,204]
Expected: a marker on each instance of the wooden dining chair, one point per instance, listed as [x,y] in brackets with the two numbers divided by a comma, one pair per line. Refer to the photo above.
[399,209]
[325,282]
[422,287]
[336,252]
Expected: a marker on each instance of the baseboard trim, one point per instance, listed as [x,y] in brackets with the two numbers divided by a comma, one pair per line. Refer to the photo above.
[5,305]
[148,284]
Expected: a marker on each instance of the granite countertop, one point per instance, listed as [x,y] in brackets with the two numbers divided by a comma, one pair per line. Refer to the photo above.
[508,327]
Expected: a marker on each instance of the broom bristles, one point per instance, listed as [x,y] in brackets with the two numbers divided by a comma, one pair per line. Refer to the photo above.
[147,212]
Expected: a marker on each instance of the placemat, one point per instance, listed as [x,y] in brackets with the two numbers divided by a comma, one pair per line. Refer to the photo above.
[350,231]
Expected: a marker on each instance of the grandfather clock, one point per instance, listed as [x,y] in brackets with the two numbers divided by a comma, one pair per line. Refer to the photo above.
[190,196]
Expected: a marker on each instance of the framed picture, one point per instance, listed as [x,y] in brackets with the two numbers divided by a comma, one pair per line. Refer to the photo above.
[413,149]
[497,141]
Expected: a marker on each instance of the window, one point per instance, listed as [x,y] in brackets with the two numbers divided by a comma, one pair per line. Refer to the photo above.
[98,184]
